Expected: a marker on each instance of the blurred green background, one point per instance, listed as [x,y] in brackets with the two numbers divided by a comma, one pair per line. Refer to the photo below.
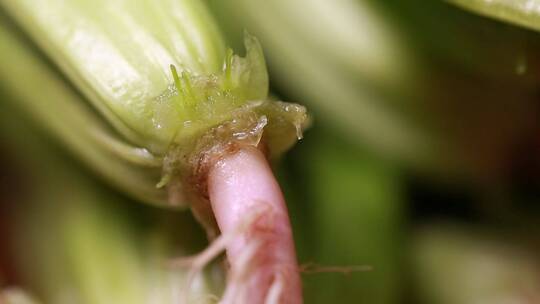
[423,163]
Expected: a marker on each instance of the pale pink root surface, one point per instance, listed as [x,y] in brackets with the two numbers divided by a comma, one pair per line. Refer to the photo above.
[242,187]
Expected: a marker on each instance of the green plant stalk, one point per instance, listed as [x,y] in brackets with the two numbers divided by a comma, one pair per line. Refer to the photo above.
[93,249]
[152,69]
[118,53]
[160,79]
[43,95]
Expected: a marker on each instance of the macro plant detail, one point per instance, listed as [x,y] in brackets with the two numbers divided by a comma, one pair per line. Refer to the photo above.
[173,99]
[150,152]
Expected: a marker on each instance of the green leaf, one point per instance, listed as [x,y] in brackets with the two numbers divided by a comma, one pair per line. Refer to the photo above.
[524,13]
